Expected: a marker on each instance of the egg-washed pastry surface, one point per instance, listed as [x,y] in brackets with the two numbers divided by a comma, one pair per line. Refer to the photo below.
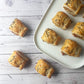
[51,37]
[78,30]
[17,59]
[43,68]
[71,48]
[73,6]
[61,20]
[18,28]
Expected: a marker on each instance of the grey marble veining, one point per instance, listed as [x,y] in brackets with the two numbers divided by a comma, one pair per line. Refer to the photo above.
[9,2]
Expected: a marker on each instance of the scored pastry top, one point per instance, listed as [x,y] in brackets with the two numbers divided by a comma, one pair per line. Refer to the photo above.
[61,20]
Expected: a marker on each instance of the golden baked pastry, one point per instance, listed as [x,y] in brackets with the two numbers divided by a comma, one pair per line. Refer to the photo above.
[17,59]
[71,48]
[73,6]
[43,68]
[78,30]
[51,37]
[18,28]
[61,20]
[83,15]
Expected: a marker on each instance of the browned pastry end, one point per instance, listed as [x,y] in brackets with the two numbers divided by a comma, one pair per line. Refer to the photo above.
[17,59]
[71,48]
[51,37]
[18,28]
[61,20]
[43,68]
[78,30]
[73,6]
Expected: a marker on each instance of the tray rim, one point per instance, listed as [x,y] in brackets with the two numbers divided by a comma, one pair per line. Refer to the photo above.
[36,30]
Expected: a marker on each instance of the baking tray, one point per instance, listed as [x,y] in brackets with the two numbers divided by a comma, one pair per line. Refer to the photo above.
[55,51]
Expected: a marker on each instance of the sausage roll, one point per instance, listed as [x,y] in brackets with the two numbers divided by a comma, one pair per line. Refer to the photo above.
[18,28]
[43,68]
[61,20]
[17,59]
[71,48]
[73,6]
[51,37]
[78,30]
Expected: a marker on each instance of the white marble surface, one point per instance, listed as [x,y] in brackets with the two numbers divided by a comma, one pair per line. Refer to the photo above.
[30,12]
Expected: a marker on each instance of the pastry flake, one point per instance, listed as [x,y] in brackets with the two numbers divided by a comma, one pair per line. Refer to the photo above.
[78,30]
[17,59]
[61,20]
[51,37]
[43,68]
[73,6]
[18,28]
[71,48]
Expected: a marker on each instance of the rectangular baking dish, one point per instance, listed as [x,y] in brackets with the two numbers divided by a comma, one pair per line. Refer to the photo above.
[55,51]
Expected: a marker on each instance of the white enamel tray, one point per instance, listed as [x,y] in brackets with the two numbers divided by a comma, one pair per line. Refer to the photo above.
[55,51]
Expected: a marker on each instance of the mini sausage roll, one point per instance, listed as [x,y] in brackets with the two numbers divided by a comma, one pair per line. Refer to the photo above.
[71,48]
[73,6]
[78,30]
[43,68]
[51,37]
[18,28]
[17,59]
[61,20]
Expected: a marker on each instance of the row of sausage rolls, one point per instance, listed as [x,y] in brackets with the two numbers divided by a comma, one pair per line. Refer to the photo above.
[18,59]
[63,21]
[70,47]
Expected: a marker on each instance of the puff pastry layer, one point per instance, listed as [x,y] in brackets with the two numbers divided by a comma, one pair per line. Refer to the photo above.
[43,68]
[78,30]
[61,20]
[71,48]
[18,28]
[73,6]
[17,59]
[51,37]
